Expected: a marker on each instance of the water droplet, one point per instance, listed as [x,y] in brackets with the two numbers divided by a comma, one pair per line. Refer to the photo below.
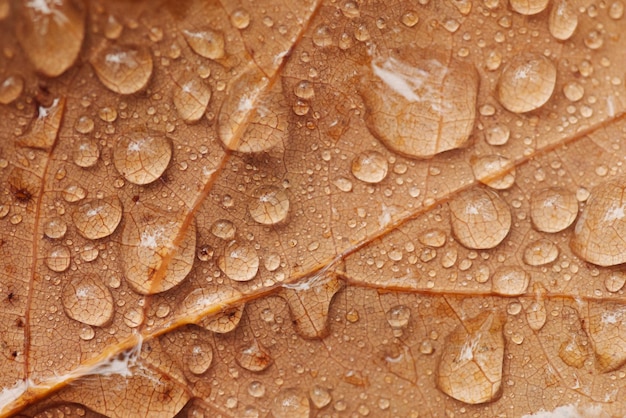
[123,69]
[470,369]
[563,20]
[410,18]
[304,90]
[107,114]
[133,317]
[158,248]
[291,403]
[256,389]
[426,347]
[11,88]
[526,83]
[370,167]
[87,300]
[600,233]
[615,281]
[74,193]
[55,228]
[98,218]
[497,135]
[480,218]
[206,43]
[320,396]
[420,106]
[58,258]
[86,153]
[606,322]
[239,262]
[252,118]
[398,316]
[86,333]
[594,40]
[254,357]
[301,108]
[223,229]
[616,10]
[113,28]
[44,129]
[435,238]
[573,91]
[271,261]
[573,351]
[495,171]
[199,357]
[240,18]
[269,206]
[322,36]
[343,184]
[89,253]
[141,157]
[51,34]
[191,98]
[529,7]
[540,252]
[536,315]
[553,210]
[510,281]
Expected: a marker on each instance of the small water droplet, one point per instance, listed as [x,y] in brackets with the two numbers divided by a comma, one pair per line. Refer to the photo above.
[86,153]
[55,228]
[497,135]
[11,88]
[615,281]
[563,20]
[98,218]
[107,114]
[256,389]
[616,10]
[398,316]
[191,98]
[206,43]
[540,252]
[553,210]
[495,171]
[536,315]
[142,158]
[113,28]
[322,36]
[426,347]
[86,333]
[199,357]
[74,193]
[320,396]
[123,69]
[480,218]
[271,261]
[370,167]
[239,262]
[435,238]
[526,83]
[529,7]
[510,281]
[304,90]
[133,317]
[410,18]
[87,300]
[58,258]
[240,18]
[291,403]
[254,357]
[270,205]
[223,229]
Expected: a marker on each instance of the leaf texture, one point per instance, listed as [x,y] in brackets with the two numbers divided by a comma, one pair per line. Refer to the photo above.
[314,208]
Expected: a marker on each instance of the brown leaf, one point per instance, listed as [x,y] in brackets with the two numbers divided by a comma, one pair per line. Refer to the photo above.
[312,208]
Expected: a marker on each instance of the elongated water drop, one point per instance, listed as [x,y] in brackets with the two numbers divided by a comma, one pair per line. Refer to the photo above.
[11,88]
[98,218]
[191,98]
[563,20]
[206,42]
[123,69]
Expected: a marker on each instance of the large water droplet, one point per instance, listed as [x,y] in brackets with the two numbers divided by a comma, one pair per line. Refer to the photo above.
[480,218]
[123,69]
[526,82]
[540,252]
[420,105]
[563,20]
[51,34]
[510,281]
[253,357]
[58,258]
[98,218]
[607,332]
[141,157]
[309,302]
[370,167]
[291,403]
[269,206]
[191,98]
[206,43]
[553,210]
[529,7]
[158,248]
[252,118]
[495,171]
[44,129]
[86,153]
[11,88]
[87,300]
[600,233]
[199,357]
[470,369]
[55,228]
[239,262]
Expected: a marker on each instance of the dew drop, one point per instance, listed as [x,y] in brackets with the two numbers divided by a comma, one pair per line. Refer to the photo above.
[86,333]
[497,135]
[553,210]
[256,389]
[158,248]
[74,193]
[58,258]
[87,300]
[113,28]
[271,261]
[470,369]
[420,106]
[199,357]
[223,229]
[616,10]
[270,205]
[536,315]
[435,238]
[291,403]
[526,83]
[55,228]
[573,91]
[322,37]
[191,98]
[398,316]
[98,218]
[480,218]
[563,20]
[304,90]
[201,300]
[370,167]
[239,262]
[320,396]
[529,7]
[410,18]
[123,69]
[207,43]
[133,317]
[426,347]
[510,281]
[142,158]
[253,357]
[540,252]
[495,171]
[107,114]
[240,18]
[573,352]
[11,88]
[615,281]
[600,233]
[86,153]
